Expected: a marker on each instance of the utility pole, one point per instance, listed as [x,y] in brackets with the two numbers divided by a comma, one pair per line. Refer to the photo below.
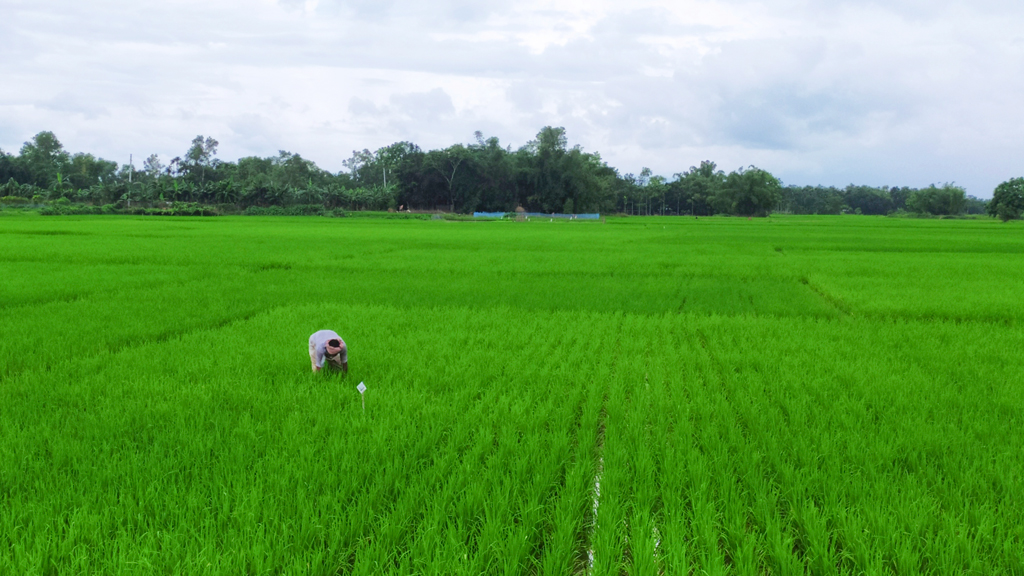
[131,168]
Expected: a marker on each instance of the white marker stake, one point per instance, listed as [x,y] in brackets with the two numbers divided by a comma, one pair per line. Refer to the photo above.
[362,389]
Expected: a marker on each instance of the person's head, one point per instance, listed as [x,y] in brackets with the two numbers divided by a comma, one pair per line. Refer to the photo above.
[333,352]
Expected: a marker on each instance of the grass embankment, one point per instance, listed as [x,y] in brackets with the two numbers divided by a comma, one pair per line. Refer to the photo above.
[821,395]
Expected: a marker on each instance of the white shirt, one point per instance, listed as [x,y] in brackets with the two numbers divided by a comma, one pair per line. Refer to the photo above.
[318,346]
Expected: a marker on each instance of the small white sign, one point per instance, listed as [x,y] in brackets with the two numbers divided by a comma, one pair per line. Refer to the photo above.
[361,387]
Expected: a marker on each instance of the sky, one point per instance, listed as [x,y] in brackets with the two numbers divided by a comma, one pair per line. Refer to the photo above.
[880,93]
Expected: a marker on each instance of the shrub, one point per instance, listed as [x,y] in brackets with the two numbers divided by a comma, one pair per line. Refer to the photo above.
[62,207]
[66,209]
[296,210]
[190,209]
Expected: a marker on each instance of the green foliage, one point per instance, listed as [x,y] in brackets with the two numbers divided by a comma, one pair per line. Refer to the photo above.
[850,200]
[567,208]
[44,158]
[975,206]
[1007,200]
[812,200]
[85,171]
[297,210]
[182,209]
[794,395]
[694,190]
[948,199]
[63,207]
[372,168]
[339,213]
[11,189]
[541,176]
[199,158]
[545,175]
[867,200]
[748,192]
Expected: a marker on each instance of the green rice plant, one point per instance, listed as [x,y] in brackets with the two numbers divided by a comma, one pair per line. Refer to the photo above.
[787,395]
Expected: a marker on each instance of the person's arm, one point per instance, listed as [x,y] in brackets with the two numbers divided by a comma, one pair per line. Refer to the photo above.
[312,358]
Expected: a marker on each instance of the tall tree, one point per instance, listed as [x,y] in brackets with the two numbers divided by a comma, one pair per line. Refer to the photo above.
[948,199]
[447,163]
[545,170]
[495,174]
[200,157]
[812,200]
[85,170]
[694,189]
[589,184]
[379,168]
[295,171]
[12,167]
[748,192]
[868,200]
[152,166]
[44,158]
[1007,200]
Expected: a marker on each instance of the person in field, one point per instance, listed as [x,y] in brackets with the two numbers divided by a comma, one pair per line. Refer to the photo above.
[326,345]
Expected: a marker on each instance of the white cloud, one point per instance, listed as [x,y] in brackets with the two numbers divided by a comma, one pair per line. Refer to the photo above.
[901,93]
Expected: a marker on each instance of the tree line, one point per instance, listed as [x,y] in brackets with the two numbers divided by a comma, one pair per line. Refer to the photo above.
[544,175]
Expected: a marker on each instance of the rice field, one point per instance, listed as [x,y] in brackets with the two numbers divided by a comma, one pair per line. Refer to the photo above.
[793,395]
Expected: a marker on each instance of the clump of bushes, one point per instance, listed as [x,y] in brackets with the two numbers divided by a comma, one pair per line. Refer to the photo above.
[341,213]
[14,201]
[318,210]
[62,207]
[58,208]
[296,210]
[178,209]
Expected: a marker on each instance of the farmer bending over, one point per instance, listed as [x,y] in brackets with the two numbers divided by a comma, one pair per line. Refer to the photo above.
[326,344]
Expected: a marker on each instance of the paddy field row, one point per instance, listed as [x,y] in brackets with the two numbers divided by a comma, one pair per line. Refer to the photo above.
[784,396]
